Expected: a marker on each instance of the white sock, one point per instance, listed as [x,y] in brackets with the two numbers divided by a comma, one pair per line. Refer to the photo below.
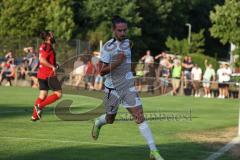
[101,120]
[147,134]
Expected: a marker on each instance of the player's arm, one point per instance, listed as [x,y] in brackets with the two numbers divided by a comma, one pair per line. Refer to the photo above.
[44,62]
[106,68]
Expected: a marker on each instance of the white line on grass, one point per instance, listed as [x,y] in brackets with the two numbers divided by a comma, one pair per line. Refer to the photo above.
[63,141]
[224,149]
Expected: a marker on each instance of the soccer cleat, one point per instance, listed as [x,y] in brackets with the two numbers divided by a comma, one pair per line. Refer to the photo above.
[34,119]
[154,155]
[38,111]
[95,130]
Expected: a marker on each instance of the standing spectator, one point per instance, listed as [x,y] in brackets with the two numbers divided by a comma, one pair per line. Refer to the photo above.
[165,74]
[98,78]
[160,56]
[209,75]
[89,76]
[187,65]
[221,84]
[78,71]
[176,75]
[139,75]
[226,78]
[79,74]
[33,68]
[150,78]
[148,59]
[196,79]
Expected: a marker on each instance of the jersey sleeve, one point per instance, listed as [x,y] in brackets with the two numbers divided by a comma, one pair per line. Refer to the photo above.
[42,52]
[105,56]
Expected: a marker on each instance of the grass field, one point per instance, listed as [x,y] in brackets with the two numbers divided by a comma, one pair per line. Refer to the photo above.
[54,139]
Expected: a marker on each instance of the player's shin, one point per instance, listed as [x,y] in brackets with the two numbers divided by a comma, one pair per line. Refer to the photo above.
[147,134]
[100,121]
[50,99]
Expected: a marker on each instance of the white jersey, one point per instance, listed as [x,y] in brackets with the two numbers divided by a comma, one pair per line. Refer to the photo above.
[121,77]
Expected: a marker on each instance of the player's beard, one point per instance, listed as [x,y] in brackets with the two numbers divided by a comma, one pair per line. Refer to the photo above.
[121,38]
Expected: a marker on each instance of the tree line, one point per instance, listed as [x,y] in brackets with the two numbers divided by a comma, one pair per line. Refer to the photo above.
[155,25]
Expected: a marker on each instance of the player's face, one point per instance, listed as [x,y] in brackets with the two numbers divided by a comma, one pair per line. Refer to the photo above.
[120,31]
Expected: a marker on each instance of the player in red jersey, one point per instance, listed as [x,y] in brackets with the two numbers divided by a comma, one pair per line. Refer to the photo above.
[46,75]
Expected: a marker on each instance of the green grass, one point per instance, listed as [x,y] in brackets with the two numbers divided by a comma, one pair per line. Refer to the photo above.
[54,139]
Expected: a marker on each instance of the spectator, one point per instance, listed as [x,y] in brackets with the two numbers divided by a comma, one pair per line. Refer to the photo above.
[196,75]
[176,76]
[187,65]
[33,68]
[9,56]
[165,74]
[148,60]
[150,78]
[79,74]
[139,75]
[160,56]
[89,76]
[98,78]
[209,75]
[221,84]
[23,68]
[8,72]
[226,79]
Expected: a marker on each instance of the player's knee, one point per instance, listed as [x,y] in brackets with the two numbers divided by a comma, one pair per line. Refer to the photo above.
[139,119]
[110,119]
[59,94]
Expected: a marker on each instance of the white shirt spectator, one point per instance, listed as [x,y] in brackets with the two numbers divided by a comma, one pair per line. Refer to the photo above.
[226,74]
[208,74]
[148,59]
[196,73]
[220,75]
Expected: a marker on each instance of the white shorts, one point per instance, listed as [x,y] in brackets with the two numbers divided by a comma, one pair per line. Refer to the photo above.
[206,83]
[128,98]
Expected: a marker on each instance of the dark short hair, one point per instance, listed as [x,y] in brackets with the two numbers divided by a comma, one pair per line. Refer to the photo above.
[44,34]
[117,19]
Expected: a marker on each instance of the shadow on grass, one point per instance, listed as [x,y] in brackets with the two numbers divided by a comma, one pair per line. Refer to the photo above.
[176,151]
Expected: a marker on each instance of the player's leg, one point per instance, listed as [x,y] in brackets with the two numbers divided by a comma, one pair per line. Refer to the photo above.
[36,112]
[111,102]
[137,113]
[50,99]
[132,103]
[53,84]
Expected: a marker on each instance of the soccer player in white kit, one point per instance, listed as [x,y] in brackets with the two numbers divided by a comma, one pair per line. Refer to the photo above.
[115,64]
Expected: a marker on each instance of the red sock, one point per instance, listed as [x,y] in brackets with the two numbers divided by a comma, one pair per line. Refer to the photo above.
[50,99]
[38,101]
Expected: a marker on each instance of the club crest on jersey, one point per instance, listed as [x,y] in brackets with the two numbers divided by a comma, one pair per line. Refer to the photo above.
[110,46]
[124,45]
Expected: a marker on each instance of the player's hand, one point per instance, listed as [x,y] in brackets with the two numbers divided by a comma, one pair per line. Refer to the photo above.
[54,70]
[121,57]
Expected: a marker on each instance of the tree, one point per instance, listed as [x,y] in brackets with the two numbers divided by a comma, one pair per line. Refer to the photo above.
[60,18]
[226,22]
[182,47]
[99,14]
[26,18]
[21,18]
[197,42]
